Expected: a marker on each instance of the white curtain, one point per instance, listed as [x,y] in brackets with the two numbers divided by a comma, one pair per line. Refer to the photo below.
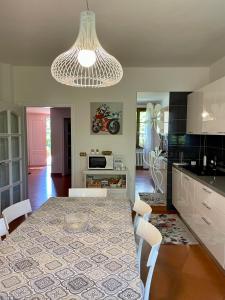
[151,137]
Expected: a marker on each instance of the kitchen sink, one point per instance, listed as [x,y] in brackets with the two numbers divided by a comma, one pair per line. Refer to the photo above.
[201,171]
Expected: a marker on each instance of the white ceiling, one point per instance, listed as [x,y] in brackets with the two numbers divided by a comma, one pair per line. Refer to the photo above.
[137,32]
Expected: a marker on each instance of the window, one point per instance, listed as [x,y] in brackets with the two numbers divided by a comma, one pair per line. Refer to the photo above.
[162,124]
[140,116]
[164,121]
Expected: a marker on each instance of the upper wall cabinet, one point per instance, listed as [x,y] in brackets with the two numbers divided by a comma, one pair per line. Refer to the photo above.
[194,113]
[206,109]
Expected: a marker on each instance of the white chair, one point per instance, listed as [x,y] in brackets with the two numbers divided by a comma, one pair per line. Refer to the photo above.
[16,210]
[153,237]
[88,192]
[3,229]
[142,209]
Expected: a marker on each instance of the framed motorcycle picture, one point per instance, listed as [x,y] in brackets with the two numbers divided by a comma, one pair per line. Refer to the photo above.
[106,118]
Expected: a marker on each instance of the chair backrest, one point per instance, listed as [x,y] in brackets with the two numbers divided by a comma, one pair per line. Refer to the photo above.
[88,192]
[3,228]
[16,210]
[153,237]
[142,209]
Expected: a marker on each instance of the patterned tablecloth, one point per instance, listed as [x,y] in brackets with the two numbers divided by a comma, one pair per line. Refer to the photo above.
[44,258]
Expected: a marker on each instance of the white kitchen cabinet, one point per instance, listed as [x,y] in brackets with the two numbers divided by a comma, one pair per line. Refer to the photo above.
[209,113]
[211,216]
[188,198]
[203,210]
[176,188]
[194,113]
[206,109]
[214,108]
[183,194]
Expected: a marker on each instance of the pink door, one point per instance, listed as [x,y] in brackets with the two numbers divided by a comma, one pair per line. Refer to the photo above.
[36,135]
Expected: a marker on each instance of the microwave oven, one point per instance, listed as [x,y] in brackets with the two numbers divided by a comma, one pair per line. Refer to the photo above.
[100,162]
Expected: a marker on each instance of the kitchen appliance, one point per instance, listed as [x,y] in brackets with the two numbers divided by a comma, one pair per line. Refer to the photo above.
[100,162]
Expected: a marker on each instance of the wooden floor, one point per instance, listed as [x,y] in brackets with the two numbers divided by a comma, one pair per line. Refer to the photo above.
[186,273]
[41,186]
[181,273]
[143,183]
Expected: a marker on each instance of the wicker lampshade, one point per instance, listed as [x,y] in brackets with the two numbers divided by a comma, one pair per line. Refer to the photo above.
[86,63]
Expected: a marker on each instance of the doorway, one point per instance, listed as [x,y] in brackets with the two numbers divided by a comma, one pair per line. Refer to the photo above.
[49,160]
[152,118]
[38,137]
[12,179]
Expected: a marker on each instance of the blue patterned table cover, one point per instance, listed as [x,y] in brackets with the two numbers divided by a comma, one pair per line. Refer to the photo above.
[41,259]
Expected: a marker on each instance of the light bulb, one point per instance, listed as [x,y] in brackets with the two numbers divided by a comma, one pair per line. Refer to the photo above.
[205,114]
[86,58]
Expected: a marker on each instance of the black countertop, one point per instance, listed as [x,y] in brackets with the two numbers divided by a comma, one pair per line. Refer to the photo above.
[217,185]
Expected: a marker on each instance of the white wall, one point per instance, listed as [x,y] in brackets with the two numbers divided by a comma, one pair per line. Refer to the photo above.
[35,86]
[217,69]
[57,115]
[6,84]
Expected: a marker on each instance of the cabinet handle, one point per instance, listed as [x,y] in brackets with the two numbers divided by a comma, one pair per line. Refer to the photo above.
[207,191]
[204,132]
[206,221]
[203,203]
[221,132]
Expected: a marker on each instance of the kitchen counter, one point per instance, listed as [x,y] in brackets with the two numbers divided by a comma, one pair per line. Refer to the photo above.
[217,185]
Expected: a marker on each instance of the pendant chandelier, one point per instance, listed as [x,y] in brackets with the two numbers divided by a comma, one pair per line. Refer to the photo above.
[86,63]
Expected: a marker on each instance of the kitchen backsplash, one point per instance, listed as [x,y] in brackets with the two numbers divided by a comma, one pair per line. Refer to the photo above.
[214,146]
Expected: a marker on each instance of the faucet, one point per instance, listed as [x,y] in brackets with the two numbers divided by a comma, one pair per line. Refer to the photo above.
[213,162]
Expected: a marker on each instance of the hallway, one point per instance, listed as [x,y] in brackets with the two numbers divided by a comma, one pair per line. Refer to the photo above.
[143,182]
[41,185]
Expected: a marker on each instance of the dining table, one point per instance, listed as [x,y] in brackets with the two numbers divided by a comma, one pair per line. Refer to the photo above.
[72,248]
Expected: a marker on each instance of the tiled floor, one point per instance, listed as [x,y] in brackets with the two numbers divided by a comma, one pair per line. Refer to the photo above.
[183,272]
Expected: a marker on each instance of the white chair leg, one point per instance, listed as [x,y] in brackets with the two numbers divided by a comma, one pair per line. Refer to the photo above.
[139,254]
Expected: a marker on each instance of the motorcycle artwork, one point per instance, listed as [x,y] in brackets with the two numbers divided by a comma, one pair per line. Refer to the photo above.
[105,120]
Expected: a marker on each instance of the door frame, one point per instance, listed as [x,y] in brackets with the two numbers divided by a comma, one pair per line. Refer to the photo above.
[29,148]
[66,170]
[70,106]
[17,110]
